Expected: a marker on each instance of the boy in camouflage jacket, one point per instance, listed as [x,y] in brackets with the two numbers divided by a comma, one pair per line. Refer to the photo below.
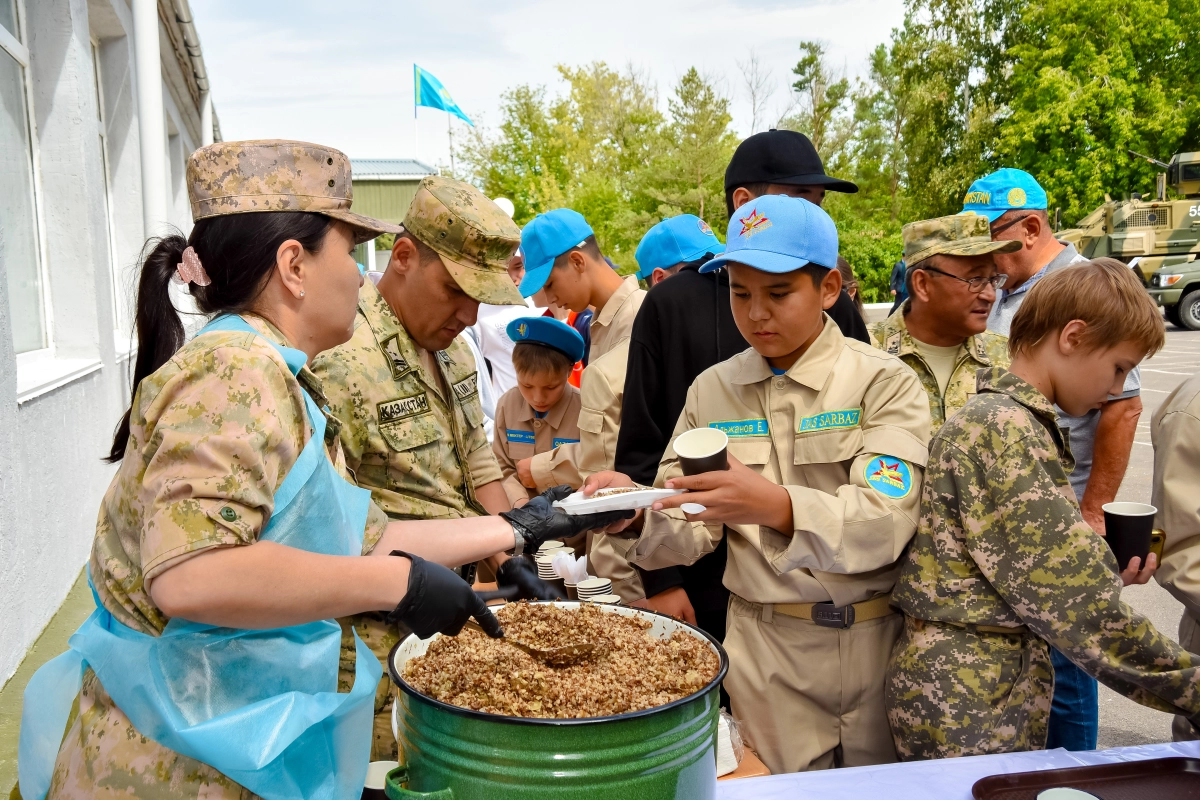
[1003,565]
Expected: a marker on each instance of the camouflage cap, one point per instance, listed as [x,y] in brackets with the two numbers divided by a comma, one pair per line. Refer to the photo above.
[276,175]
[474,237]
[957,235]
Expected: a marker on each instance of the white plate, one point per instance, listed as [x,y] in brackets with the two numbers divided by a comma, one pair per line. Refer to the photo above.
[622,501]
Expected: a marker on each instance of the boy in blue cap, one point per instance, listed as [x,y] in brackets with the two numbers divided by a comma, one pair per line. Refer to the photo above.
[672,243]
[563,259]
[542,411]
[827,447]
[1016,206]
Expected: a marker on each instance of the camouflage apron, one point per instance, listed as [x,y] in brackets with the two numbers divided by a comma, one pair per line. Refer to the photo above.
[260,706]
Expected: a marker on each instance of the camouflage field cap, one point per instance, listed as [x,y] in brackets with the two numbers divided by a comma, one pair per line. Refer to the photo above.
[474,237]
[276,175]
[958,235]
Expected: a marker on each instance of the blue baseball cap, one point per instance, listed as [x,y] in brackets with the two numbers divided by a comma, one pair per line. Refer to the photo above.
[549,332]
[545,238]
[674,241]
[1004,190]
[776,233]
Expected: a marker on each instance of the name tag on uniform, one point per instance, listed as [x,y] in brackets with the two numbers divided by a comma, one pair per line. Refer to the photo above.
[519,437]
[831,420]
[557,442]
[891,477]
[401,408]
[466,387]
[736,428]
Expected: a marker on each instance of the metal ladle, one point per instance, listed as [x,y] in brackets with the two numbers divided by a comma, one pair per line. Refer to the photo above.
[555,657]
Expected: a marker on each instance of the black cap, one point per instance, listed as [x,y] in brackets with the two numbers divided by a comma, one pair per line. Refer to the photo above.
[785,157]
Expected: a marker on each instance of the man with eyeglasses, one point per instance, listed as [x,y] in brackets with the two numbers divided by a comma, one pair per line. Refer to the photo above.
[1101,440]
[940,331]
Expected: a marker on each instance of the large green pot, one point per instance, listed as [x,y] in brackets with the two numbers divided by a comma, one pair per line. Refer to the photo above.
[664,753]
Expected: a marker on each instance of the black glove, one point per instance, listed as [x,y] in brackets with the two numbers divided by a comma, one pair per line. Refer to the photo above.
[520,573]
[438,601]
[538,521]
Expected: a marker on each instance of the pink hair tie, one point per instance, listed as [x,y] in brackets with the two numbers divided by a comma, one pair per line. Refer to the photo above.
[190,270]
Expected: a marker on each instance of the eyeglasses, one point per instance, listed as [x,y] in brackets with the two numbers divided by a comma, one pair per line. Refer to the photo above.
[1009,224]
[974,284]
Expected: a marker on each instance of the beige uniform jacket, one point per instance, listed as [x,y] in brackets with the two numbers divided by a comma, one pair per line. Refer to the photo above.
[613,324]
[845,431]
[1175,431]
[521,434]
[415,439]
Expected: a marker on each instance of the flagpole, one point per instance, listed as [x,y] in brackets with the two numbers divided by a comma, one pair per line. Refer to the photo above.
[450,136]
[416,135]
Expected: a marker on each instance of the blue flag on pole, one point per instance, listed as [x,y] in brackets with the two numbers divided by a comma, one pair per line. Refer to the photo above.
[429,92]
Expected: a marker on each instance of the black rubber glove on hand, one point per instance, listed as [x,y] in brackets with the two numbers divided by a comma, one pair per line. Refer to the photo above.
[438,601]
[539,521]
[520,573]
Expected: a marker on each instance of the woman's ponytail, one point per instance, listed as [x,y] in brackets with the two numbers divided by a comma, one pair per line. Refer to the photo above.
[159,329]
[238,253]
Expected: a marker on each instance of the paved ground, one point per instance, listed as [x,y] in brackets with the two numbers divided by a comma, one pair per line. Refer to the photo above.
[1123,722]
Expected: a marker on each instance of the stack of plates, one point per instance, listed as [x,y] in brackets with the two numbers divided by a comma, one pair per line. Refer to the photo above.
[593,587]
[606,599]
[545,569]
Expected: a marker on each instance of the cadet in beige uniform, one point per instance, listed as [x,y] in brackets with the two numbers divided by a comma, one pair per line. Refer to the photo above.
[1175,431]
[563,259]
[839,432]
[541,412]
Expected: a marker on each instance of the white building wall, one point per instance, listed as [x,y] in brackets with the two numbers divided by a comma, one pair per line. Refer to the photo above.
[51,476]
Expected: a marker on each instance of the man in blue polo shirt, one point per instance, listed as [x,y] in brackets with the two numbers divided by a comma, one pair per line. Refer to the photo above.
[1100,441]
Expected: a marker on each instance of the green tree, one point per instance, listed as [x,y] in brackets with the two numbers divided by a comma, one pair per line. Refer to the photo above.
[687,176]
[824,98]
[1087,81]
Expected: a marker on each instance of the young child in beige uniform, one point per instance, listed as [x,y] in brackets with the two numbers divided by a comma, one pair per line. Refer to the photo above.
[542,411]
[827,447]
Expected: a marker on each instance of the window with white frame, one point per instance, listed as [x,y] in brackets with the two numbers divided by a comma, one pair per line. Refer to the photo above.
[19,251]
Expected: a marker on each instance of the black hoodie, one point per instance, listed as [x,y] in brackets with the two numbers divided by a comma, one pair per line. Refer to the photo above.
[685,326]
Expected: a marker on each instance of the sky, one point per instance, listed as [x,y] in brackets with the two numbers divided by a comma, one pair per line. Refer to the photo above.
[339,72]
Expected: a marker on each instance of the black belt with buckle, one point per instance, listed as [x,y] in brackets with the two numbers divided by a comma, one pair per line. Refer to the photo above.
[827,615]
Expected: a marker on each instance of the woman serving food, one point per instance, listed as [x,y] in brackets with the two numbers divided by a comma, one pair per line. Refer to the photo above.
[231,539]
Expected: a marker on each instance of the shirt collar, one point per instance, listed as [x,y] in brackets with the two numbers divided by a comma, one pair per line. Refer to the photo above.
[812,369]
[385,324]
[297,363]
[554,417]
[1000,381]
[609,312]
[1063,259]
[897,325]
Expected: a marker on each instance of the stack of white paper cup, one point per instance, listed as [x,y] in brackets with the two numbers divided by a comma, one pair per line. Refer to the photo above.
[545,568]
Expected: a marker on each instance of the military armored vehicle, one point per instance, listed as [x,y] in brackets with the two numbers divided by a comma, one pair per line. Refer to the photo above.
[1159,238]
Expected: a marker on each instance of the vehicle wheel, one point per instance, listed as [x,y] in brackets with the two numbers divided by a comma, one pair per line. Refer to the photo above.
[1189,310]
[1172,315]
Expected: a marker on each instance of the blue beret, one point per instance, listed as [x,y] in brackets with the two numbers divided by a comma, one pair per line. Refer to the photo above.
[549,332]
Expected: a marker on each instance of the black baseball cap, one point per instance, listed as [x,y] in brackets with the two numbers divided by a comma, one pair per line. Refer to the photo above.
[785,157]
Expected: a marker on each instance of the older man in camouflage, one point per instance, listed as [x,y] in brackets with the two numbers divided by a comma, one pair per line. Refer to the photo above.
[941,329]
[405,387]
[1003,566]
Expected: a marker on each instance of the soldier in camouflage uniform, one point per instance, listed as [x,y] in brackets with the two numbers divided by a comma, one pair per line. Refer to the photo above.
[407,394]
[941,329]
[213,431]
[1003,566]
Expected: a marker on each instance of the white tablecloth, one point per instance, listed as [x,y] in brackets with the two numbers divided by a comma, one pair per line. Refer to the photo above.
[947,779]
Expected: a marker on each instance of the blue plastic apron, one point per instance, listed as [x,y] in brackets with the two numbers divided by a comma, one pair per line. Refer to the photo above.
[260,706]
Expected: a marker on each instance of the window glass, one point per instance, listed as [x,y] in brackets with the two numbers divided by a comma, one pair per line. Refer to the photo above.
[18,236]
[1191,172]
[8,17]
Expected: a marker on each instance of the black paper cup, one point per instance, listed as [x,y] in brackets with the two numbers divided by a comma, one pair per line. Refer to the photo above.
[1128,530]
[702,450]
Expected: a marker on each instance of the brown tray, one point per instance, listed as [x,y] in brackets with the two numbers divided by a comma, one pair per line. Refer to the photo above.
[1155,779]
